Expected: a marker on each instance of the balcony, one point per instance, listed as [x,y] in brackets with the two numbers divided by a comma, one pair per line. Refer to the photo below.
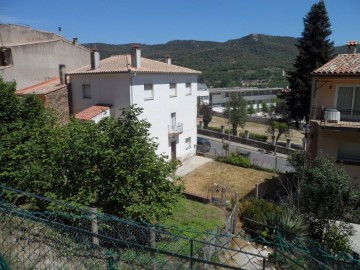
[336,117]
[175,129]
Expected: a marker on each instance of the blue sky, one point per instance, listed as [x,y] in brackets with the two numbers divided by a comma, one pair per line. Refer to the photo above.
[159,21]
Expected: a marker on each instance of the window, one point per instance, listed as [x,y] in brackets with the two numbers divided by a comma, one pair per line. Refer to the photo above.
[274,92]
[86,91]
[348,102]
[5,56]
[188,89]
[187,143]
[226,94]
[148,91]
[349,153]
[172,89]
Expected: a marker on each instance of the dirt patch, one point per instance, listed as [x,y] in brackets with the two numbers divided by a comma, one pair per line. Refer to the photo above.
[295,135]
[235,179]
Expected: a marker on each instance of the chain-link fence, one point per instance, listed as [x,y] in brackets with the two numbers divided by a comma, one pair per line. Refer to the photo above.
[40,233]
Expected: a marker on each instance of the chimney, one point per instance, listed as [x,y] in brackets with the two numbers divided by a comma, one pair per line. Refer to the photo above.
[351,47]
[167,59]
[62,71]
[95,59]
[136,56]
[75,40]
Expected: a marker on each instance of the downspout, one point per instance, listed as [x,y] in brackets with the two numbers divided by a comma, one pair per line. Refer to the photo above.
[132,75]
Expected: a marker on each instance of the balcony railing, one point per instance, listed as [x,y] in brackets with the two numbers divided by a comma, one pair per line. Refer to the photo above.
[175,129]
[336,116]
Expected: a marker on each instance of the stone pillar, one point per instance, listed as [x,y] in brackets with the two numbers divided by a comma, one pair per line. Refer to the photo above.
[247,134]
[222,129]
[273,142]
[201,125]
[288,143]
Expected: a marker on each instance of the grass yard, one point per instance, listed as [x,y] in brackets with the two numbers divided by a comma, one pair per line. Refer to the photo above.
[198,216]
[295,135]
[236,179]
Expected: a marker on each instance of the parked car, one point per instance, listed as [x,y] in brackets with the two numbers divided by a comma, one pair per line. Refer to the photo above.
[203,145]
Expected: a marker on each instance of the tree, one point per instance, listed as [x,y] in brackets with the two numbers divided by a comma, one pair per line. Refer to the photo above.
[264,107]
[235,110]
[325,192]
[278,127]
[314,50]
[206,111]
[111,165]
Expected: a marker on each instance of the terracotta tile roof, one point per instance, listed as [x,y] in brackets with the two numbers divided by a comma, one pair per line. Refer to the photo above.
[42,88]
[122,64]
[91,112]
[343,64]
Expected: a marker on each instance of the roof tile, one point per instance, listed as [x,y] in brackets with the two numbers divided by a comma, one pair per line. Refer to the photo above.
[122,64]
[343,64]
[91,112]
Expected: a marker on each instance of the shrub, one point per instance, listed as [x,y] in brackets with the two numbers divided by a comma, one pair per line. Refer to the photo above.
[255,136]
[235,159]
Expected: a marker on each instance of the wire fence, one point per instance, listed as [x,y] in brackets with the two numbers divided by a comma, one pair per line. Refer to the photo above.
[41,233]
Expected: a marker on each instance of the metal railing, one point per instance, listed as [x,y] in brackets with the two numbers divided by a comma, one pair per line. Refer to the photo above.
[175,129]
[336,116]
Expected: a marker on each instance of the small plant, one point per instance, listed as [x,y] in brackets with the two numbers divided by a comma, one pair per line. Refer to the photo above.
[235,159]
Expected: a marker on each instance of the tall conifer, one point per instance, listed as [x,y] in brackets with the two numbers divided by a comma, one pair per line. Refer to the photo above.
[314,50]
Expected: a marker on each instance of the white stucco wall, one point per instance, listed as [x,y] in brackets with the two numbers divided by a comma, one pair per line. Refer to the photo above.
[106,89]
[158,110]
[122,90]
[101,116]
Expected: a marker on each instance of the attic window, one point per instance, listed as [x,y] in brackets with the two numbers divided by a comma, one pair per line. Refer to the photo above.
[5,56]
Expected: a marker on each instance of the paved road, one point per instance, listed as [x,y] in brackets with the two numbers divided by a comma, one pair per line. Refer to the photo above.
[264,160]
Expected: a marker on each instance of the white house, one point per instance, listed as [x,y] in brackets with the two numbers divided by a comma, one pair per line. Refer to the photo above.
[203,94]
[167,93]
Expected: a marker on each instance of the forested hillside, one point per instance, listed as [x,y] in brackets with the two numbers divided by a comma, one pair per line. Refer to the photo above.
[254,60]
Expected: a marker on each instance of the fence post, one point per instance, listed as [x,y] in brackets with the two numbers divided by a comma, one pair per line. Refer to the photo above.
[247,134]
[222,129]
[257,191]
[235,214]
[94,226]
[201,125]
[153,245]
[191,253]
[288,143]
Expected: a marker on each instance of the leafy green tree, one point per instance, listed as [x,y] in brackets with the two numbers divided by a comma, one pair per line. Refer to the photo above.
[325,191]
[206,111]
[235,110]
[250,109]
[264,107]
[278,128]
[314,50]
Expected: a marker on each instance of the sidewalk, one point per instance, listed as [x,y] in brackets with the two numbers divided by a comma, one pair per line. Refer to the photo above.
[191,165]
[243,146]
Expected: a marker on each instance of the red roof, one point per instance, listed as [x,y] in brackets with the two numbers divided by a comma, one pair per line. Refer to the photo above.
[343,64]
[42,88]
[91,112]
[122,64]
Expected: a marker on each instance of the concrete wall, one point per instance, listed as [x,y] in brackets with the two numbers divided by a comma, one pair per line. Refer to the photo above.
[122,90]
[33,63]
[328,144]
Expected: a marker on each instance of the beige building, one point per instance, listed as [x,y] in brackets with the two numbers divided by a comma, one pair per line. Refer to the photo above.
[335,112]
[36,60]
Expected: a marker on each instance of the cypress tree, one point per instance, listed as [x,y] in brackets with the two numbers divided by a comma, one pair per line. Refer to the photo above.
[314,50]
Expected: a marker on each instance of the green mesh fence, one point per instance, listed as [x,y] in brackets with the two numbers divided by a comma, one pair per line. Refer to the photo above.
[40,233]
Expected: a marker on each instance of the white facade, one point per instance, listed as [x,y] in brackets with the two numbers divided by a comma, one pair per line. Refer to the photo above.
[165,108]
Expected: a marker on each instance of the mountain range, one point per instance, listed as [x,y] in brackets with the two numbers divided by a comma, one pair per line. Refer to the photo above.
[252,59]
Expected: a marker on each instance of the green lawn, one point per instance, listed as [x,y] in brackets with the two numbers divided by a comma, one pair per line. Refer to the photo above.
[198,216]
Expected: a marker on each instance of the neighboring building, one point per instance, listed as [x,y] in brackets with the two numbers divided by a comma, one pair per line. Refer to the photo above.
[202,94]
[167,93]
[32,57]
[335,112]
[253,96]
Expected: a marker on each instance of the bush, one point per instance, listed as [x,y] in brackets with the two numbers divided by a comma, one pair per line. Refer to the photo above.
[256,213]
[235,159]
[255,136]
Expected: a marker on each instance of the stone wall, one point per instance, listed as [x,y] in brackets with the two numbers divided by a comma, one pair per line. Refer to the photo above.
[58,101]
